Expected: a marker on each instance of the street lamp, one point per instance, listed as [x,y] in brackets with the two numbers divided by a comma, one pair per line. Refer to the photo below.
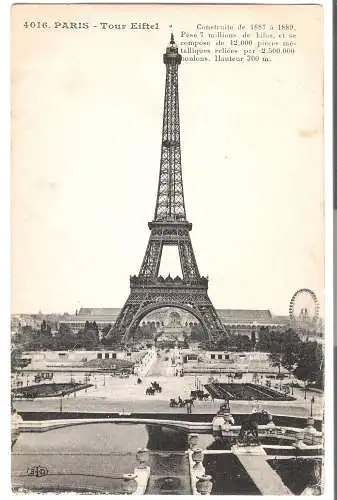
[305,389]
[61,402]
[311,405]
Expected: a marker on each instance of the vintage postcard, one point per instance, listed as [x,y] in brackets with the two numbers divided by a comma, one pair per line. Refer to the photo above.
[168,296]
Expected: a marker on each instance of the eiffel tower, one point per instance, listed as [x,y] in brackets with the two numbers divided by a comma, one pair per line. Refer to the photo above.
[169,227]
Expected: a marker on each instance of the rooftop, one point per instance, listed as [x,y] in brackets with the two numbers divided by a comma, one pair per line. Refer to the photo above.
[106,315]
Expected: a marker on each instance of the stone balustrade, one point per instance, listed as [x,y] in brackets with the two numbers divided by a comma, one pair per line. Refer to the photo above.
[201,483]
[136,483]
[307,437]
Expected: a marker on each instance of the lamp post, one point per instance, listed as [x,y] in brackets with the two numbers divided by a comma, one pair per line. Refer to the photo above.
[253,337]
[305,389]
[61,402]
[311,405]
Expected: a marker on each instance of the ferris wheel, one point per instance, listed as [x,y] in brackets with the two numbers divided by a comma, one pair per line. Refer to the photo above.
[304,305]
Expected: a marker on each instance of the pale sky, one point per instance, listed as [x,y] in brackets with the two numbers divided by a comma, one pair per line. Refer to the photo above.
[87,113]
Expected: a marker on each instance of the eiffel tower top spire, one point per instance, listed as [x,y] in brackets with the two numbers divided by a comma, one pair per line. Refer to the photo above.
[170,205]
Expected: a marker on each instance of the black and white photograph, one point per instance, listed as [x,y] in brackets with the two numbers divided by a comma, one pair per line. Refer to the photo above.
[168,323]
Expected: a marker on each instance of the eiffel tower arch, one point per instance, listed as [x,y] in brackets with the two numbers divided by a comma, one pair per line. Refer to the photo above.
[148,290]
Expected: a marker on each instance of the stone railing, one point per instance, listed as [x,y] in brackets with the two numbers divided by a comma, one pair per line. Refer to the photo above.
[136,483]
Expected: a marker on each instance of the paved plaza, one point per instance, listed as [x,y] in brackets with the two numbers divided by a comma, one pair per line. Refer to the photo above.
[114,394]
[117,394]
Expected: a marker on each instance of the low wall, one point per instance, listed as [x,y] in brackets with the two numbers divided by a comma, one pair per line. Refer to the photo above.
[279,420]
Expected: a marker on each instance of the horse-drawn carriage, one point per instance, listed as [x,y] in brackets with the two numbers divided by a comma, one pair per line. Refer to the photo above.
[181,403]
[149,391]
[200,395]
[154,387]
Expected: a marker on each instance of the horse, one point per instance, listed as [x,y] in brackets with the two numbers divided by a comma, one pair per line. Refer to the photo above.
[156,387]
[173,403]
[149,391]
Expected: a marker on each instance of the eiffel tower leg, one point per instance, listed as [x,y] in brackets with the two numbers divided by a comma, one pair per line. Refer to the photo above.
[125,317]
[151,261]
[213,324]
[187,260]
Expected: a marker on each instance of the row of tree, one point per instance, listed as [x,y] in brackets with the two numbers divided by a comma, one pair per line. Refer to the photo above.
[43,339]
[304,359]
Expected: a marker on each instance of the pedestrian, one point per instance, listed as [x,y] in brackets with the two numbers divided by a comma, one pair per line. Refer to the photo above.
[188,407]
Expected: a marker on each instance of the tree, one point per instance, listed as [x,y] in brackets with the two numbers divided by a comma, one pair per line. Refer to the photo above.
[243,343]
[88,338]
[284,347]
[310,365]
[107,341]
[276,360]
[45,329]
[253,338]
[222,345]
[64,329]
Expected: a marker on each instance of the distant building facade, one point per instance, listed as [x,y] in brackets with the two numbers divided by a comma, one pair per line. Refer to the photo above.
[238,321]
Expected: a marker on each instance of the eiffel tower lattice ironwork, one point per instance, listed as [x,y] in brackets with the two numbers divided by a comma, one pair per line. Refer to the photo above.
[169,227]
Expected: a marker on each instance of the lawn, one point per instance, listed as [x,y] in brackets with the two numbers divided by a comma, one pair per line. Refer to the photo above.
[48,390]
[245,392]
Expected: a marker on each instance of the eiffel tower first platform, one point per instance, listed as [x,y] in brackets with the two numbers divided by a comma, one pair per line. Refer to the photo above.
[169,227]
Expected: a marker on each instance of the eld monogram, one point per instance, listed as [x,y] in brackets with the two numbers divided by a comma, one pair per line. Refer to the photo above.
[37,471]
